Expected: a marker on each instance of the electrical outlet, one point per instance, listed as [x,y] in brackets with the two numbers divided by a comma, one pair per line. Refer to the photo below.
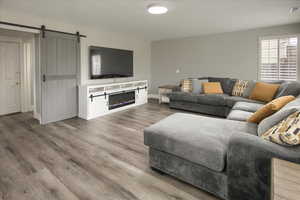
[177,71]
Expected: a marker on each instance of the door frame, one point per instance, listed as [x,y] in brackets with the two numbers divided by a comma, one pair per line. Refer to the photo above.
[24,69]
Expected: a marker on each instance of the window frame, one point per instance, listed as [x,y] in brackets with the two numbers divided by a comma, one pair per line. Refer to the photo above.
[278,37]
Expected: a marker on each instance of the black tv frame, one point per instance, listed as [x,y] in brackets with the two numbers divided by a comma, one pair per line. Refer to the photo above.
[107,77]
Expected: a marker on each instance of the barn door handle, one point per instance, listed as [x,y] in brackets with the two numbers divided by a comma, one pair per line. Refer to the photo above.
[44,78]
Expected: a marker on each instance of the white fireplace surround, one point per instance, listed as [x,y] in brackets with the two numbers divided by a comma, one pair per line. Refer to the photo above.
[94,99]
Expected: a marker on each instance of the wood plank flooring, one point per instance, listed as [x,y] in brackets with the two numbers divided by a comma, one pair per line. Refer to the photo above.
[75,159]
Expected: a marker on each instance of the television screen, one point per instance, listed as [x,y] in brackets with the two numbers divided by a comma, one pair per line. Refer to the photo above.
[110,63]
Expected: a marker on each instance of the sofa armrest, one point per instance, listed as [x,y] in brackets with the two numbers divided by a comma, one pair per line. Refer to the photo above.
[249,166]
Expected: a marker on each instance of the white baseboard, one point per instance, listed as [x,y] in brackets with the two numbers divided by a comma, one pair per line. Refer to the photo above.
[37,116]
[153,96]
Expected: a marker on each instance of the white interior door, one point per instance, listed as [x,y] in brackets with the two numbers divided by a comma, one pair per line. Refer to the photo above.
[10,78]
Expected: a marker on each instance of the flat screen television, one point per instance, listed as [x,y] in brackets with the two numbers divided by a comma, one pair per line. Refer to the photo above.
[110,63]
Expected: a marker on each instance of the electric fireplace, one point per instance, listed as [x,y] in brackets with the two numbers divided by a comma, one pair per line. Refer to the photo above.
[121,99]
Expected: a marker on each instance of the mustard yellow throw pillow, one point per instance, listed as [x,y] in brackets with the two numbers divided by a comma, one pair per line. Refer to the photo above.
[212,88]
[270,108]
[287,132]
[264,91]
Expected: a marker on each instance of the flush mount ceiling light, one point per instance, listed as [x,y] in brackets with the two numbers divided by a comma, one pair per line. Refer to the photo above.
[157,9]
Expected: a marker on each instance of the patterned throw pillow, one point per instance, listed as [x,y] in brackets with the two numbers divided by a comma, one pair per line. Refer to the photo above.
[287,132]
[187,85]
[239,88]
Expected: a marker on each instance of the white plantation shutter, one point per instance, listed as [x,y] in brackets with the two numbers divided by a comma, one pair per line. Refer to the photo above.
[278,59]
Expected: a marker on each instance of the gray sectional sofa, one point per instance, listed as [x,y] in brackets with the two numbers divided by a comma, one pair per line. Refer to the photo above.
[225,157]
[221,104]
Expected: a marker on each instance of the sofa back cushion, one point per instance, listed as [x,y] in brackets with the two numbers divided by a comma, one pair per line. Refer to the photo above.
[264,91]
[212,88]
[226,83]
[288,88]
[270,108]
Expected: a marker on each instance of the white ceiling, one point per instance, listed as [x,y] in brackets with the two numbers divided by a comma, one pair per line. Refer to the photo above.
[185,17]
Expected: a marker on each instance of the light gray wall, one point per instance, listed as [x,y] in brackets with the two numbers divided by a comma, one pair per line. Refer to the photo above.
[95,37]
[226,55]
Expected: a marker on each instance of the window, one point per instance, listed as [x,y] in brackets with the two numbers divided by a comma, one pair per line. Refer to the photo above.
[278,58]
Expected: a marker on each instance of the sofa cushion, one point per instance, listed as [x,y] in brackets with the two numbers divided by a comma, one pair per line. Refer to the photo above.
[231,100]
[212,88]
[249,88]
[226,83]
[264,91]
[201,140]
[207,99]
[239,115]
[247,106]
[239,88]
[288,88]
[197,85]
[183,96]
[270,108]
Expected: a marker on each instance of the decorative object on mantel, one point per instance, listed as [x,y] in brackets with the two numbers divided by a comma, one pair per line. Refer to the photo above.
[163,91]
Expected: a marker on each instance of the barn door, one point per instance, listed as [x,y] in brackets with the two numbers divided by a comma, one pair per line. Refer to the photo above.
[59,76]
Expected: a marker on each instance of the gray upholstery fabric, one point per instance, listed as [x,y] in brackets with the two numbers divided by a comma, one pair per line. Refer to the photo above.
[224,157]
[239,115]
[220,111]
[288,88]
[189,172]
[249,166]
[226,83]
[250,87]
[247,106]
[202,140]
[197,85]
[231,100]
[206,99]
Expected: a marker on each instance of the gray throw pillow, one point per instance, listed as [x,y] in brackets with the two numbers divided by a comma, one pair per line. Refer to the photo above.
[197,85]
[248,90]
[288,88]
[226,83]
